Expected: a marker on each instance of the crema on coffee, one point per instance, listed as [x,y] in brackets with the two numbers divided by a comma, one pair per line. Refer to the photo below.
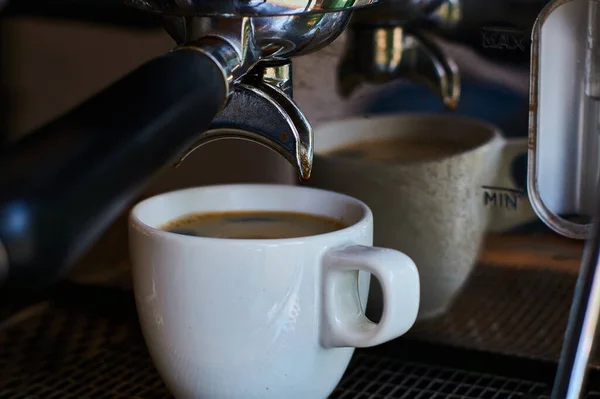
[400,150]
[253,225]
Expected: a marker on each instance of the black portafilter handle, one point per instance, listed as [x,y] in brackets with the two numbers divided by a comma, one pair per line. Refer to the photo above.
[63,185]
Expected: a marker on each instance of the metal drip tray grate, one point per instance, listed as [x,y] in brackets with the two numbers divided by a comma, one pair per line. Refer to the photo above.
[86,343]
[94,349]
[375,377]
[378,378]
[68,353]
[515,311]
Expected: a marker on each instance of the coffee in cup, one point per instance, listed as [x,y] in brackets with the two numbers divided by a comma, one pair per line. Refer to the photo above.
[253,225]
[397,150]
[435,183]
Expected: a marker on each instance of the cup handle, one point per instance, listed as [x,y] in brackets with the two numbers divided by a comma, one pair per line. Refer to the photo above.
[344,323]
[508,203]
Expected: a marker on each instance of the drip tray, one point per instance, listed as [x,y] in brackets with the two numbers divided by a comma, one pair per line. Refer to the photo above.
[382,377]
[86,343]
[514,311]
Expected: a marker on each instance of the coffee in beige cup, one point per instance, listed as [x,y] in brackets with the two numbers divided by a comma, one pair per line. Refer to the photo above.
[436,185]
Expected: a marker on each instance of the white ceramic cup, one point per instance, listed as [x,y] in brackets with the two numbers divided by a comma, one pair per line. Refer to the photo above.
[436,211]
[280,318]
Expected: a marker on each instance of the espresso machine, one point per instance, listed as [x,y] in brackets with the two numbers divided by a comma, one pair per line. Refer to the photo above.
[229,76]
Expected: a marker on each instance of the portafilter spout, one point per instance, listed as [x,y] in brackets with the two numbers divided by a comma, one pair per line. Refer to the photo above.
[63,184]
[260,106]
[384,44]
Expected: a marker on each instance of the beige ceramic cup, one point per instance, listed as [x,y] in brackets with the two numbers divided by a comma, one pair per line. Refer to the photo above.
[437,212]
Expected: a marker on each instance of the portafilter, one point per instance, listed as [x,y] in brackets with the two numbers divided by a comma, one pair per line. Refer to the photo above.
[229,76]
